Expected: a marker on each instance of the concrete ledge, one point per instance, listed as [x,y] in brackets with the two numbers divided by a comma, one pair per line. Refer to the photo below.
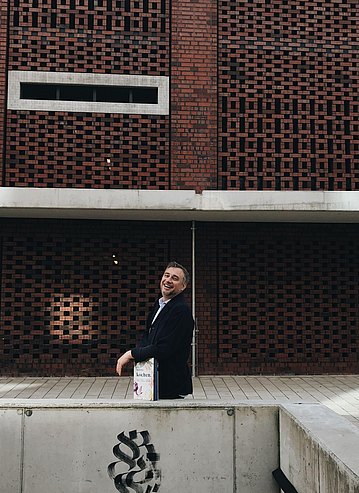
[179,205]
[129,404]
[319,450]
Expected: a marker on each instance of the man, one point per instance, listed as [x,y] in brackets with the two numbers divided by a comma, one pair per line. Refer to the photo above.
[168,336]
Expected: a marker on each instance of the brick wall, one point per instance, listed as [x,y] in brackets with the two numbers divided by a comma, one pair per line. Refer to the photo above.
[194,95]
[3,69]
[87,150]
[54,149]
[98,36]
[74,295]
[269,298]
[279,298]
[288,84]
[263,95]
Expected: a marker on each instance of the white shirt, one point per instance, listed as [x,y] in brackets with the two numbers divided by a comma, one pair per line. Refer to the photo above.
[162,304]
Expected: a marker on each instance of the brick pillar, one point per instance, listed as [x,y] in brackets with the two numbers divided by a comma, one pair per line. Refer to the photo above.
[3,77]
[194,95]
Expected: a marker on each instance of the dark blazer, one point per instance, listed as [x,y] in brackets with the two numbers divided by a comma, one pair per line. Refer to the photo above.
[169,341]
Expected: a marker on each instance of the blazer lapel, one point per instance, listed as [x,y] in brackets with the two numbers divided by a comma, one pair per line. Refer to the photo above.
[151,315]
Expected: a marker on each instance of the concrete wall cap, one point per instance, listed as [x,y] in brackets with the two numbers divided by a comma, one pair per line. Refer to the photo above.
[179,205]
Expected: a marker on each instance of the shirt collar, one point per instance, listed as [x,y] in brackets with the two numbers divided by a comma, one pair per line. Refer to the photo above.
[162,302]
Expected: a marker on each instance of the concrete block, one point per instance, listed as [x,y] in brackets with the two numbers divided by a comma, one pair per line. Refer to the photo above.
[256,448]
[68,450]
[10,450]
[298,455]
[319,450]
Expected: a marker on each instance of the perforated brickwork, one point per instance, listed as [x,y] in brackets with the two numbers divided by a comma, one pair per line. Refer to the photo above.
[288,87]
[278,298]
[102,36]
[76,295]
[269,298]
[263,93]
[87,151]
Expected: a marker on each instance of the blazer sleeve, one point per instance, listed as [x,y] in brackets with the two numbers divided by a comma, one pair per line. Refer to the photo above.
[174,337]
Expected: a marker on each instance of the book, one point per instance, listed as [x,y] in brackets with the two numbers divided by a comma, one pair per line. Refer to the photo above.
[145,380]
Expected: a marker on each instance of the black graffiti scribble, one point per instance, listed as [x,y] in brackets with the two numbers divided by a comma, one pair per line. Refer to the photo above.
[141,473]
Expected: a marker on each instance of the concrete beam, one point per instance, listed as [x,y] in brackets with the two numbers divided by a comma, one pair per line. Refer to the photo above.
[179,205]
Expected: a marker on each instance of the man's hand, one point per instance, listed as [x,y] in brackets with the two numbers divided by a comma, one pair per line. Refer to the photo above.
[122,361]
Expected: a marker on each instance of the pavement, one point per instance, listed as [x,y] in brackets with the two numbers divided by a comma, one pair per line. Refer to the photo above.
[340,393]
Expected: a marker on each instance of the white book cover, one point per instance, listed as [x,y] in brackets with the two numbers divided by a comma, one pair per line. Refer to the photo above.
[145,380]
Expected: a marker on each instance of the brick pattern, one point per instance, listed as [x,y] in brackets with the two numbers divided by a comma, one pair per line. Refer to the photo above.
[75,295]
[269,298]
[263,97]
[288,85]
[102,36]
[87,151]
[52,149]
[278,298]
[193,95]
[3,69]
[263,94]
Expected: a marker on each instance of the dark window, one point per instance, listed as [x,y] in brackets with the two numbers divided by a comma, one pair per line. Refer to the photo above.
[113,94]
[75,93]
[103,94]
[37,91]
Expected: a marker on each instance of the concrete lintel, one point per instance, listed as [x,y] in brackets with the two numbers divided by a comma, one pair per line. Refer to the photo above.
[180,205]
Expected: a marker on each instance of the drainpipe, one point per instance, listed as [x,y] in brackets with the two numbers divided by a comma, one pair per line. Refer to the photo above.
[194,298]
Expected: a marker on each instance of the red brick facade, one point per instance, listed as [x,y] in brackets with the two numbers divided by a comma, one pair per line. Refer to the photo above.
[194,95]
[269,298]
[277,298]
[287,84]
[76,294]
[3,70]
[54,149]
[263,96]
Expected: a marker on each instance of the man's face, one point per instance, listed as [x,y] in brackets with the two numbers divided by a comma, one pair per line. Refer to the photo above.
[172,283]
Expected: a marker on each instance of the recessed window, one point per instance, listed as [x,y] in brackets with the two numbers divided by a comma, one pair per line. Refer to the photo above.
[71,92]
[83,92]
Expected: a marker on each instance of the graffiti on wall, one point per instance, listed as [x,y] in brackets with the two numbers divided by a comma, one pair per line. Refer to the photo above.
[136,468]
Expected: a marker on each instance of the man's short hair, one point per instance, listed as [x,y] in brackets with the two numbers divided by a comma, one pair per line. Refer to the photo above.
[184,270]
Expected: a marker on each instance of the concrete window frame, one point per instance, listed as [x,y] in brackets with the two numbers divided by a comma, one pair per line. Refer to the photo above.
[17,77]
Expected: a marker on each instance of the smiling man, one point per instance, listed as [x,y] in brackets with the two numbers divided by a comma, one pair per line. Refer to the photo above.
[168,336]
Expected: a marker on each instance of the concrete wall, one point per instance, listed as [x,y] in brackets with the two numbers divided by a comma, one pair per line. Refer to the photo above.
[80,447]
[67,448]
[319,450]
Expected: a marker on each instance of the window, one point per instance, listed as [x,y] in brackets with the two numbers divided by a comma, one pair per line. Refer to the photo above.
[105,94]
[84,92]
